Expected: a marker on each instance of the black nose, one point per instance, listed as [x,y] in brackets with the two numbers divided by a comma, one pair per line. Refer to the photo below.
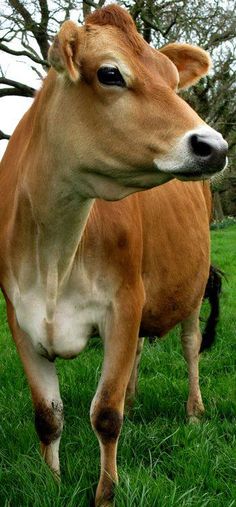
[210,150]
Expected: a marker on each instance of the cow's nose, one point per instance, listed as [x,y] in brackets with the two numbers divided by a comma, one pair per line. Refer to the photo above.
[210,149]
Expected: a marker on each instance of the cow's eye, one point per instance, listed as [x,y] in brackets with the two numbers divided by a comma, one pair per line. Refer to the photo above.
[110,76]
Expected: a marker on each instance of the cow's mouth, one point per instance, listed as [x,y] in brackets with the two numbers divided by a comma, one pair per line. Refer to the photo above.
[198,174]
[188,174]
[191,175]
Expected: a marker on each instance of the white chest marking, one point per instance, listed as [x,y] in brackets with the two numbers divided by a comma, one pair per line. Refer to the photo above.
[67,333]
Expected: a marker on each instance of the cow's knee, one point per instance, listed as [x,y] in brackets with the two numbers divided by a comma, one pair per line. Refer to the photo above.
[49,421]
[107,422]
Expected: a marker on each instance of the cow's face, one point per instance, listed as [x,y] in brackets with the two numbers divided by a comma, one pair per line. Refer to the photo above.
[126,127]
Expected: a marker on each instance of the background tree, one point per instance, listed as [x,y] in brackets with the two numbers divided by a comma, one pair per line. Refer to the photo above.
[28,26]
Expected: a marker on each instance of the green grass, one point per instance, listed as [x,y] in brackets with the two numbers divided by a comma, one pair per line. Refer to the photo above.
[162,460]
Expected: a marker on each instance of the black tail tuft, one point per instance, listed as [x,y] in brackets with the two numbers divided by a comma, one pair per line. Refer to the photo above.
[212,293]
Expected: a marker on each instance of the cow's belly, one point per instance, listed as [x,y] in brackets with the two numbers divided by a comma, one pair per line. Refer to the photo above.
[67,333]
[167,306]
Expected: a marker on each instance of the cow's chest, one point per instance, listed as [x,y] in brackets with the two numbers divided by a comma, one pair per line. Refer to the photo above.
[77,314]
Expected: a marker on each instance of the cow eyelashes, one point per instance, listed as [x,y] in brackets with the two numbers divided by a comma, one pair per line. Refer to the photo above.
[110,76]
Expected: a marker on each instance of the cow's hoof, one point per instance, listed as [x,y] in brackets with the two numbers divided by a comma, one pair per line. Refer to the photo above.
[106,497]
[104,503]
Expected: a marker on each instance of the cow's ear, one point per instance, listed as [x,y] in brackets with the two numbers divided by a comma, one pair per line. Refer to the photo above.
[64,53]
[192,62]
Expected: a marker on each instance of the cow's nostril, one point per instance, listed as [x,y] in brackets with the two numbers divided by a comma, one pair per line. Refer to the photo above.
[200,148]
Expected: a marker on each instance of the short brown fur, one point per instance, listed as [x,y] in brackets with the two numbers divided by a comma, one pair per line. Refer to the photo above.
[114,16]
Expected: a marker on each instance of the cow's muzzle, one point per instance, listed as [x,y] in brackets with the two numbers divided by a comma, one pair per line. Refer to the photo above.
[200,153]
[209,149]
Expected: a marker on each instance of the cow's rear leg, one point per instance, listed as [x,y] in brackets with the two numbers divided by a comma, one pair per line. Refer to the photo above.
[120,342]
[191,341]
[43,381]
[133,381]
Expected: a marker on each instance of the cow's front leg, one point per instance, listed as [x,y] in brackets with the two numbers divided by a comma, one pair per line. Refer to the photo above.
[43,381]
[120,342]
[191,342]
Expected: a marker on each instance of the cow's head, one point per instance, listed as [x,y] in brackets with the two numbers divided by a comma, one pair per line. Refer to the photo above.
[117,115]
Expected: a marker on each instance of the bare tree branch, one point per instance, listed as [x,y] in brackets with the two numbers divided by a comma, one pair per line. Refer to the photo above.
[44,12]
[35,59]
[90,3]
[38,30]
[7,92]
[218,38]
[17,88]
[87,4]
[4,136]
[19,7]
[86,9]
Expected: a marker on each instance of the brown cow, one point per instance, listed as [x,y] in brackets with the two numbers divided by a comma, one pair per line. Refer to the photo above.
[106,123]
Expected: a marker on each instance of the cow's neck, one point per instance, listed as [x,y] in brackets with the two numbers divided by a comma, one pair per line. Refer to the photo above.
[49,233]
[51,213]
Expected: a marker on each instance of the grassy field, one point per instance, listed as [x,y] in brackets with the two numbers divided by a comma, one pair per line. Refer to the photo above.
[163,461]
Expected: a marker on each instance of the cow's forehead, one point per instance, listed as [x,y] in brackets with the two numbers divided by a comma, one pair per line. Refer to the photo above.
[112,37]
[110,44]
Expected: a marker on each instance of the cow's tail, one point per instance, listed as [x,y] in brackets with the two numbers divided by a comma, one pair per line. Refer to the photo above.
[212,293]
